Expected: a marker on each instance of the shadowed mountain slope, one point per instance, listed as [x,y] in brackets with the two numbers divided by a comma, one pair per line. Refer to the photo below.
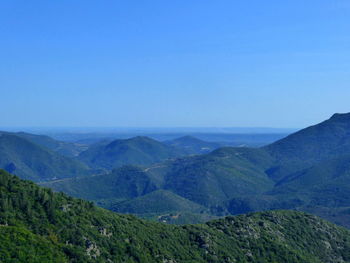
[308,170]
[327,140]
[31,161]
[141,151]
[68,149]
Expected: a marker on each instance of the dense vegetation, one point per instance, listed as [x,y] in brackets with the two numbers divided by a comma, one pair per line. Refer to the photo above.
[69,149]
[307,171]
[137,151]
[32,161]
[38,225]
[207,180]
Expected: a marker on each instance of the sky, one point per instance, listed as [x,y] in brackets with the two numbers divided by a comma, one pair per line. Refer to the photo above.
[180,63]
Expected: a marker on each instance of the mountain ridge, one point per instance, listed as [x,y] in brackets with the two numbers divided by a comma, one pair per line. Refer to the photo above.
[72,230]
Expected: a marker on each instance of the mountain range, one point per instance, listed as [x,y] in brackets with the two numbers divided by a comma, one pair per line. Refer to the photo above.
[41,158]
[307,170]
[139,150]
[37,225]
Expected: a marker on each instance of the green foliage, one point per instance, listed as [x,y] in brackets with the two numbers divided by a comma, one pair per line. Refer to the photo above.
[17,244]
[207,180]
[158,202]
[140,151]
[123,183]
[327,140]
[31,161]
[68,149]
[53,227]
[308,170]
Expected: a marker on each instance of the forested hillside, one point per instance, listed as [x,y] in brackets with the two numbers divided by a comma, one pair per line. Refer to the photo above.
[32,161]
[308,170]
[38,225]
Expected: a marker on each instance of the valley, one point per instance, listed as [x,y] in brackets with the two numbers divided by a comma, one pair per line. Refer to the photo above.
[306,171]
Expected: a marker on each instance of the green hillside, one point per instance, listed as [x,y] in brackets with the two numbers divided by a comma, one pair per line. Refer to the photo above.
[68,149]
[140,151]
[57,228]
[32,161]
[159,201]
[207,180]
[308,171]
[327,140]
[225,173]
[120,184]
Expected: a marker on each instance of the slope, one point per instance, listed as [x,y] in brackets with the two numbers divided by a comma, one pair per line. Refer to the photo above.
[68,149]
[120,184]
[208,180]
[72,230]
[327,140]
[159,201]
[31,161]
[136,151]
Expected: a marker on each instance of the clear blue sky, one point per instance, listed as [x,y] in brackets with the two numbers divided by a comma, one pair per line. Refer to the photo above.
[173,63]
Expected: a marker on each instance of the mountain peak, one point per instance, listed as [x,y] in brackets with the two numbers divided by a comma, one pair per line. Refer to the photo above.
[340,116]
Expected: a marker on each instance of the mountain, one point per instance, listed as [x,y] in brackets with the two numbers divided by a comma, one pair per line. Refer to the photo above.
[327,140]
[212,178]
[37,225]
[308,170]
[311,171]
[68,149]
[159,201]
[162,206]
[121,184]
[206,180]
[192,145]
[139,150]
[31,161]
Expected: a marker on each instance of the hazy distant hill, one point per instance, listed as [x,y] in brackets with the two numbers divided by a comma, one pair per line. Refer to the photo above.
[65,148]
[32,161]
[137,151]
[37,225]
[192,145]
[228,137]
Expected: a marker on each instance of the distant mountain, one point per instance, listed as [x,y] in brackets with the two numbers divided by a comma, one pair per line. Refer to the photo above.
[68,149]
[139,150]
[207,180]
[308,170]
[192,145]
[37,225]
[32,161]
